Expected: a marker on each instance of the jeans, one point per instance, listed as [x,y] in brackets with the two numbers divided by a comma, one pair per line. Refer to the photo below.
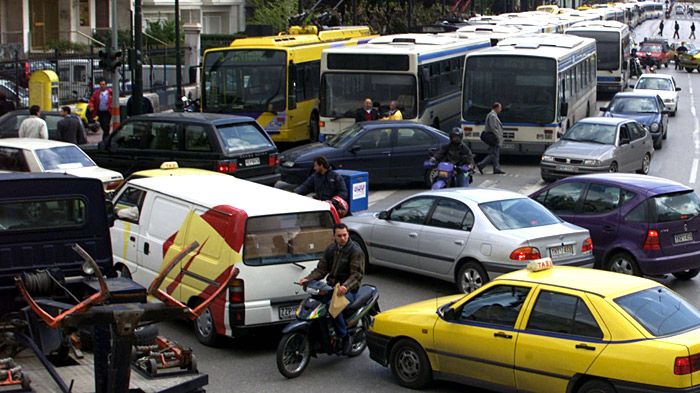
[341,328]
[104,117]
[493,158]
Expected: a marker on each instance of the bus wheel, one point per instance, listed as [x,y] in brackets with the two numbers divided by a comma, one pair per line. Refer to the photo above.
[313,127]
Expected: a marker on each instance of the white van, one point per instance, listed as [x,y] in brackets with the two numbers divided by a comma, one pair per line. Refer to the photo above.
[274,237]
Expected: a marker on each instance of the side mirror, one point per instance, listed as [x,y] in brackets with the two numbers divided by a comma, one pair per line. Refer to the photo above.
[129,213]
[449,314]
[383,215]
[355,148]
[678,89]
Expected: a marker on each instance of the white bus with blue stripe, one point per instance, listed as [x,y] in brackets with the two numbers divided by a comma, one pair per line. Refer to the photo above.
[422,72]
[613,47]
[545,83]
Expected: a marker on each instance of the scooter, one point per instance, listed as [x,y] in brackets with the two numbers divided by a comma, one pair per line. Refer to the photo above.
[446,173]
[313,332]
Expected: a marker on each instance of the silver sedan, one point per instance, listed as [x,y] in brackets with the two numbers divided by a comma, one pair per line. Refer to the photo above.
[461,234]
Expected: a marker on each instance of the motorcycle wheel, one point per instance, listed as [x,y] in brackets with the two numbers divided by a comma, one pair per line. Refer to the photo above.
[359,339]
[293,354]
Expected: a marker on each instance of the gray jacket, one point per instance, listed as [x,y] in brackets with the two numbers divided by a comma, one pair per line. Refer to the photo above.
[493,123]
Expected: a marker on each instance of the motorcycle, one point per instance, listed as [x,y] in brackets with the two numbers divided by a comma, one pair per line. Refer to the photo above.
[445,173]
[190,105]
[313,333]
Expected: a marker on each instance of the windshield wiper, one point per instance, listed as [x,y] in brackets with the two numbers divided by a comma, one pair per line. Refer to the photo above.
[590,140]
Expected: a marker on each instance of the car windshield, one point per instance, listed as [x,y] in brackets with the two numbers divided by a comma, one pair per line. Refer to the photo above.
[650,48]
[243,137]
[654,84]
[344,136]
[676,206]
[590,132]
[517,213]
[660,311]
[63,158]
[633,105]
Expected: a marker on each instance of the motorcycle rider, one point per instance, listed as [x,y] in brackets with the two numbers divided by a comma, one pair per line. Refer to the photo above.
[342,263]
[457,153]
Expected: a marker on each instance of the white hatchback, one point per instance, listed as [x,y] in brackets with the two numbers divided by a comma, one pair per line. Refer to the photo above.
[663,85]
[41,155]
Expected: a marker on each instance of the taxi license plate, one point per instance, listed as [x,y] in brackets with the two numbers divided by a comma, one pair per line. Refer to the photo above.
[287,312]
[252,161]
[567,168]
[561,250]
[683,237]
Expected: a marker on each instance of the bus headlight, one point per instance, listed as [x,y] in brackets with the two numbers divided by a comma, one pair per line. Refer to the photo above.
[591,162]
[547,158]
[654,127]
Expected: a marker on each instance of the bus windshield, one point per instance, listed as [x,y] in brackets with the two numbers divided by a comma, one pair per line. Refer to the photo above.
[342,94]
[245,80]
[608,47]
[526,86]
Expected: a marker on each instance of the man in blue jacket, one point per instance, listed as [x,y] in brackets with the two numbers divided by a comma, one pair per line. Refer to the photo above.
[324,182]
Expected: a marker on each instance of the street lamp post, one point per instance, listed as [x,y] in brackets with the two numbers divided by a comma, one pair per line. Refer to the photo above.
[178,61]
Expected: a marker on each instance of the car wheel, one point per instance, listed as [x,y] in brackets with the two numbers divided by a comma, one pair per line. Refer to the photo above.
[686,274]
[646,163]
[596,386]
[357,239]
[430,176]
[624,263]
[689,69]
[613,167]
[471,276]
[658,145]
[205,328]
[410,364]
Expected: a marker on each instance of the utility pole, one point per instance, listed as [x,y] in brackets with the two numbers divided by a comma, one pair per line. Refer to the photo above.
[136,63]
[116,116]
[178,60]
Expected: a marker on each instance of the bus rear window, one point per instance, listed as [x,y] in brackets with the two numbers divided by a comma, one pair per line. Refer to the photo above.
[287,238]
[42,214]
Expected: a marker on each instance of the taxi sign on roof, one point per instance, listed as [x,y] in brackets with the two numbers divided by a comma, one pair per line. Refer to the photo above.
[539,264]
[169,165]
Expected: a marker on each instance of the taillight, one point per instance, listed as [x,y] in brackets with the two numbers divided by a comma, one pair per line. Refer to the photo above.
[686,364]
[652,241]
[112,185]
[235,291]
[525,254]
[227,166]
[273,160]
[587,245]
[321,123]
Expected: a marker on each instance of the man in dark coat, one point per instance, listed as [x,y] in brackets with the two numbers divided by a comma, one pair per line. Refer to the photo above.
[367,112]
[70,128]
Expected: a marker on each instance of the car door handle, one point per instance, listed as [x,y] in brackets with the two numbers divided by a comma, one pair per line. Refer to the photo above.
[146,248]
[585,346]
[459,242]
[413,235]
[132,238]
[503,335]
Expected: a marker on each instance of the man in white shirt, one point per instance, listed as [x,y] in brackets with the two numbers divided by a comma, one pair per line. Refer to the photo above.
[34,126]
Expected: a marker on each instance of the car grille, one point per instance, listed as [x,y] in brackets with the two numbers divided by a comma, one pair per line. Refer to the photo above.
[568,161]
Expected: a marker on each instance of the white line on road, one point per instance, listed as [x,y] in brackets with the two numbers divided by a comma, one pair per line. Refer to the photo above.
[693,171]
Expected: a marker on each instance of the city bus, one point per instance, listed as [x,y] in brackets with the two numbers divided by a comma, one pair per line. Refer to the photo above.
[421,72]
[613,50]
[495,33]
[274,79]
[545,83]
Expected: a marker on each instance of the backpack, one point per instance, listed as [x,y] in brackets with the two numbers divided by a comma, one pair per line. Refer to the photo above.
[489,138]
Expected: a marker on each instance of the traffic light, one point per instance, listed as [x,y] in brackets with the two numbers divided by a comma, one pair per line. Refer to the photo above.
[110,60]
[135,58]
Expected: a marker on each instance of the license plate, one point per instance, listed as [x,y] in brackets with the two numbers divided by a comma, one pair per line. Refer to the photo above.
[683,237]
[252,161]
[561,250]
[443,174]
[508,146]
[287,312]
[567,168]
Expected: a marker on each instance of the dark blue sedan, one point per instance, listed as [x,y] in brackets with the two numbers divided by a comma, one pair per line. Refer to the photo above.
[646,108]
[390,151]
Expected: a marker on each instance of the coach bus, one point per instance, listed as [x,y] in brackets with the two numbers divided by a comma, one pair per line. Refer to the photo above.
[421,72]
[274,79]
[545,83]
[613,50]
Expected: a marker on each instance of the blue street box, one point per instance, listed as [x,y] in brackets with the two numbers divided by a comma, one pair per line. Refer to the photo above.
[358,188]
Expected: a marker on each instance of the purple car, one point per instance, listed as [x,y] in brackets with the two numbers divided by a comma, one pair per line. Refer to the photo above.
[641,225]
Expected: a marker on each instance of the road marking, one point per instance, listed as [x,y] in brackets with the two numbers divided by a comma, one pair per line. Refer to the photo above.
[376,196]
[693,171]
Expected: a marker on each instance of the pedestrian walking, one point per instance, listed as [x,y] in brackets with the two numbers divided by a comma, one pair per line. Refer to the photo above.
[101,104]
[5,105]
[661,28]
[493,124]
[34,126]
[70,128]
[676,27]
[692,31]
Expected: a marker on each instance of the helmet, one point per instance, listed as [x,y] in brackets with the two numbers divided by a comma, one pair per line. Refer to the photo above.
[456,135]
[340,205]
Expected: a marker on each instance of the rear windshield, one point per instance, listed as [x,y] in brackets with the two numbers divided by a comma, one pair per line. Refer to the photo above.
[42,214]
[517,213]
[287,238]
[660,311]
[676,206]
[243,137]
[63,158]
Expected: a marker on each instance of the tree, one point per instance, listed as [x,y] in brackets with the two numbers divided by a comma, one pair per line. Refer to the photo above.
[271,12]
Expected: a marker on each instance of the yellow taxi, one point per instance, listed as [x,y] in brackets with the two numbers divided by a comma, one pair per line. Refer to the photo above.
[547,329]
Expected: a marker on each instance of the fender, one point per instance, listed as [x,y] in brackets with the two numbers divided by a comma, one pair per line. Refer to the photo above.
[438,185]
[297,326]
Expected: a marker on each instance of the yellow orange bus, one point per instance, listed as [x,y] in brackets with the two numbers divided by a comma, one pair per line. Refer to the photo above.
[274,79]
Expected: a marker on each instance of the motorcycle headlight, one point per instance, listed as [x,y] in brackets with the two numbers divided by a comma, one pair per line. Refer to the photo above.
[88,269]
[591,162]
[654,127]
[547,158]
[288,164]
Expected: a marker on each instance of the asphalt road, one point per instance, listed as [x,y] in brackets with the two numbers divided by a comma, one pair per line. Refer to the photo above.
[248,364]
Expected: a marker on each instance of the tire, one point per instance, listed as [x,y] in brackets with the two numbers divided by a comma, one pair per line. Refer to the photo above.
[26,381]
[623,263]
[688,69]
[686,274]
[596,386]
[646,163]
[672,114]
[205,329]
[410,364]
[357,239]
[613,167]
[659,144]
[293,354]
[314,128]
[359,339]
[145,335]
[471,276]
[429,177]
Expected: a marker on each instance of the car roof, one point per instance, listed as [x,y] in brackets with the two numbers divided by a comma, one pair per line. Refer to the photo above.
[26,112]
[194,117]
[636,94]
[211,191]
[392,123]
[603,283]
[657,76]
[32,143]
[644,183]
[613,121]
[475,194]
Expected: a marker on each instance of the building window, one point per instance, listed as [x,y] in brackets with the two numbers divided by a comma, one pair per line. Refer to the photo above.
[84,13]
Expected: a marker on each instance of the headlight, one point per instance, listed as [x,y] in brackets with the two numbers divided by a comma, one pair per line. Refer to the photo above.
[88,269]
[547,158]
[288,164]
[654,127]
[591,162]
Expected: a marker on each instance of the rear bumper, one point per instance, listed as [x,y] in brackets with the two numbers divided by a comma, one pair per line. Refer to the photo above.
[378,348]
[631,387]
[500,267]
[669,264]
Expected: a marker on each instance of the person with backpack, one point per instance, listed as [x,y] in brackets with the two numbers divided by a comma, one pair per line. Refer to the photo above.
[494,126]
